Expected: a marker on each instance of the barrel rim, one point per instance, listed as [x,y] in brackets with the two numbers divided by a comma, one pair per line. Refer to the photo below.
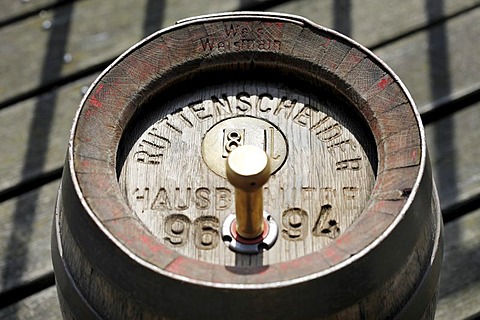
[176,267]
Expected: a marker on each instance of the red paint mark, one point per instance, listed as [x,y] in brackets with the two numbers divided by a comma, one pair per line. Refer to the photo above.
[354,58]
[85,163]
[173,266]
[95,101]
[345,239]
[333,255]
[88,113]
[152,246]
[94,98]
[327,43]
[383,83]
[414,154]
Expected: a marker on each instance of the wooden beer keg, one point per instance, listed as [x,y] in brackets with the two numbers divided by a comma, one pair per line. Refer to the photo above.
[247,166]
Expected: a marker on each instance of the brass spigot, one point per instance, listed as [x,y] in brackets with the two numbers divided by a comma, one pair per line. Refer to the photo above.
[248,169]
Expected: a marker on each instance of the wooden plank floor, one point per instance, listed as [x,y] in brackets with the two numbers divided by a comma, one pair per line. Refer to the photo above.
[51,50]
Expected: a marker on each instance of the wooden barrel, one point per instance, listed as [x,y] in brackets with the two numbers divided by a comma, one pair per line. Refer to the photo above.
[143,222]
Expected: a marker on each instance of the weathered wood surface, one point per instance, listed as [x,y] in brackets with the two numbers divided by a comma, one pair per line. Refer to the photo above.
[16,10]
[437,64]
[459,286]
[37,130]
[25,236]
[120,24]
[460,279]
[42,305]
[418,74]
[455,156]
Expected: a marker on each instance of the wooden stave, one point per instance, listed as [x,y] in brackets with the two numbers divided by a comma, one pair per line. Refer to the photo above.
[93,300]
[76,203]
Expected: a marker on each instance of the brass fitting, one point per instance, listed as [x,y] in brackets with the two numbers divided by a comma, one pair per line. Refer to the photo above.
[248,169]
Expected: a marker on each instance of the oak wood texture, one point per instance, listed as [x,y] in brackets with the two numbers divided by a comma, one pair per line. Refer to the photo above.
[25,237]
[308,55]
[37,132]
[410,16]
[458,285]
[42,305]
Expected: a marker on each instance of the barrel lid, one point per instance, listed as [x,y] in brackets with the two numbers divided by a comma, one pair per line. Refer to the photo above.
[283,46]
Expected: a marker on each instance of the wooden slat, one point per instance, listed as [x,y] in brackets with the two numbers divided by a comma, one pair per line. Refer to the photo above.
[25,236]
[459,285]
[37,131]
[460,278]
[402,55]
[439,62]
[43,305]
[454,156]
[453,159]
[374,22]
[118,25]
[450,140]
[10,10]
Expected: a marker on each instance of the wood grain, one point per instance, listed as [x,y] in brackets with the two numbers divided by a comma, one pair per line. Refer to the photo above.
[42,305]
[12,10]
[459,283]
[438,62]
[37,132]
[374,22]
[405,18]
[460,279]
[71,44]
[415,74]
[119,26]
[25,236]
[454,156]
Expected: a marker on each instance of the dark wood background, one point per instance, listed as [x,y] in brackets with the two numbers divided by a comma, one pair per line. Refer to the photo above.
[50,51]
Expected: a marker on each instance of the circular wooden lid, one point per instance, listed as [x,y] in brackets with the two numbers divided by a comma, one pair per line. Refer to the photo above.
[345,140]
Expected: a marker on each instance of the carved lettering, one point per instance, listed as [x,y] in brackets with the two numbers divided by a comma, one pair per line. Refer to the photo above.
[147,158]
[285,105]
[161,201]
[303,117]
[269,138]
[325,225]
[142,196]
[342,145]
[206,232]
[328,194]
[202,198]
[228,45]
[330,133]
[231,140]
[264,107]
[243,103]
[295,224]
[207,44]
[176,228]
[157,141]
[223,198]
[199,110]
[222,105]
[350,194]
[320,122]
[182,199]
[231,30]
[350,164]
